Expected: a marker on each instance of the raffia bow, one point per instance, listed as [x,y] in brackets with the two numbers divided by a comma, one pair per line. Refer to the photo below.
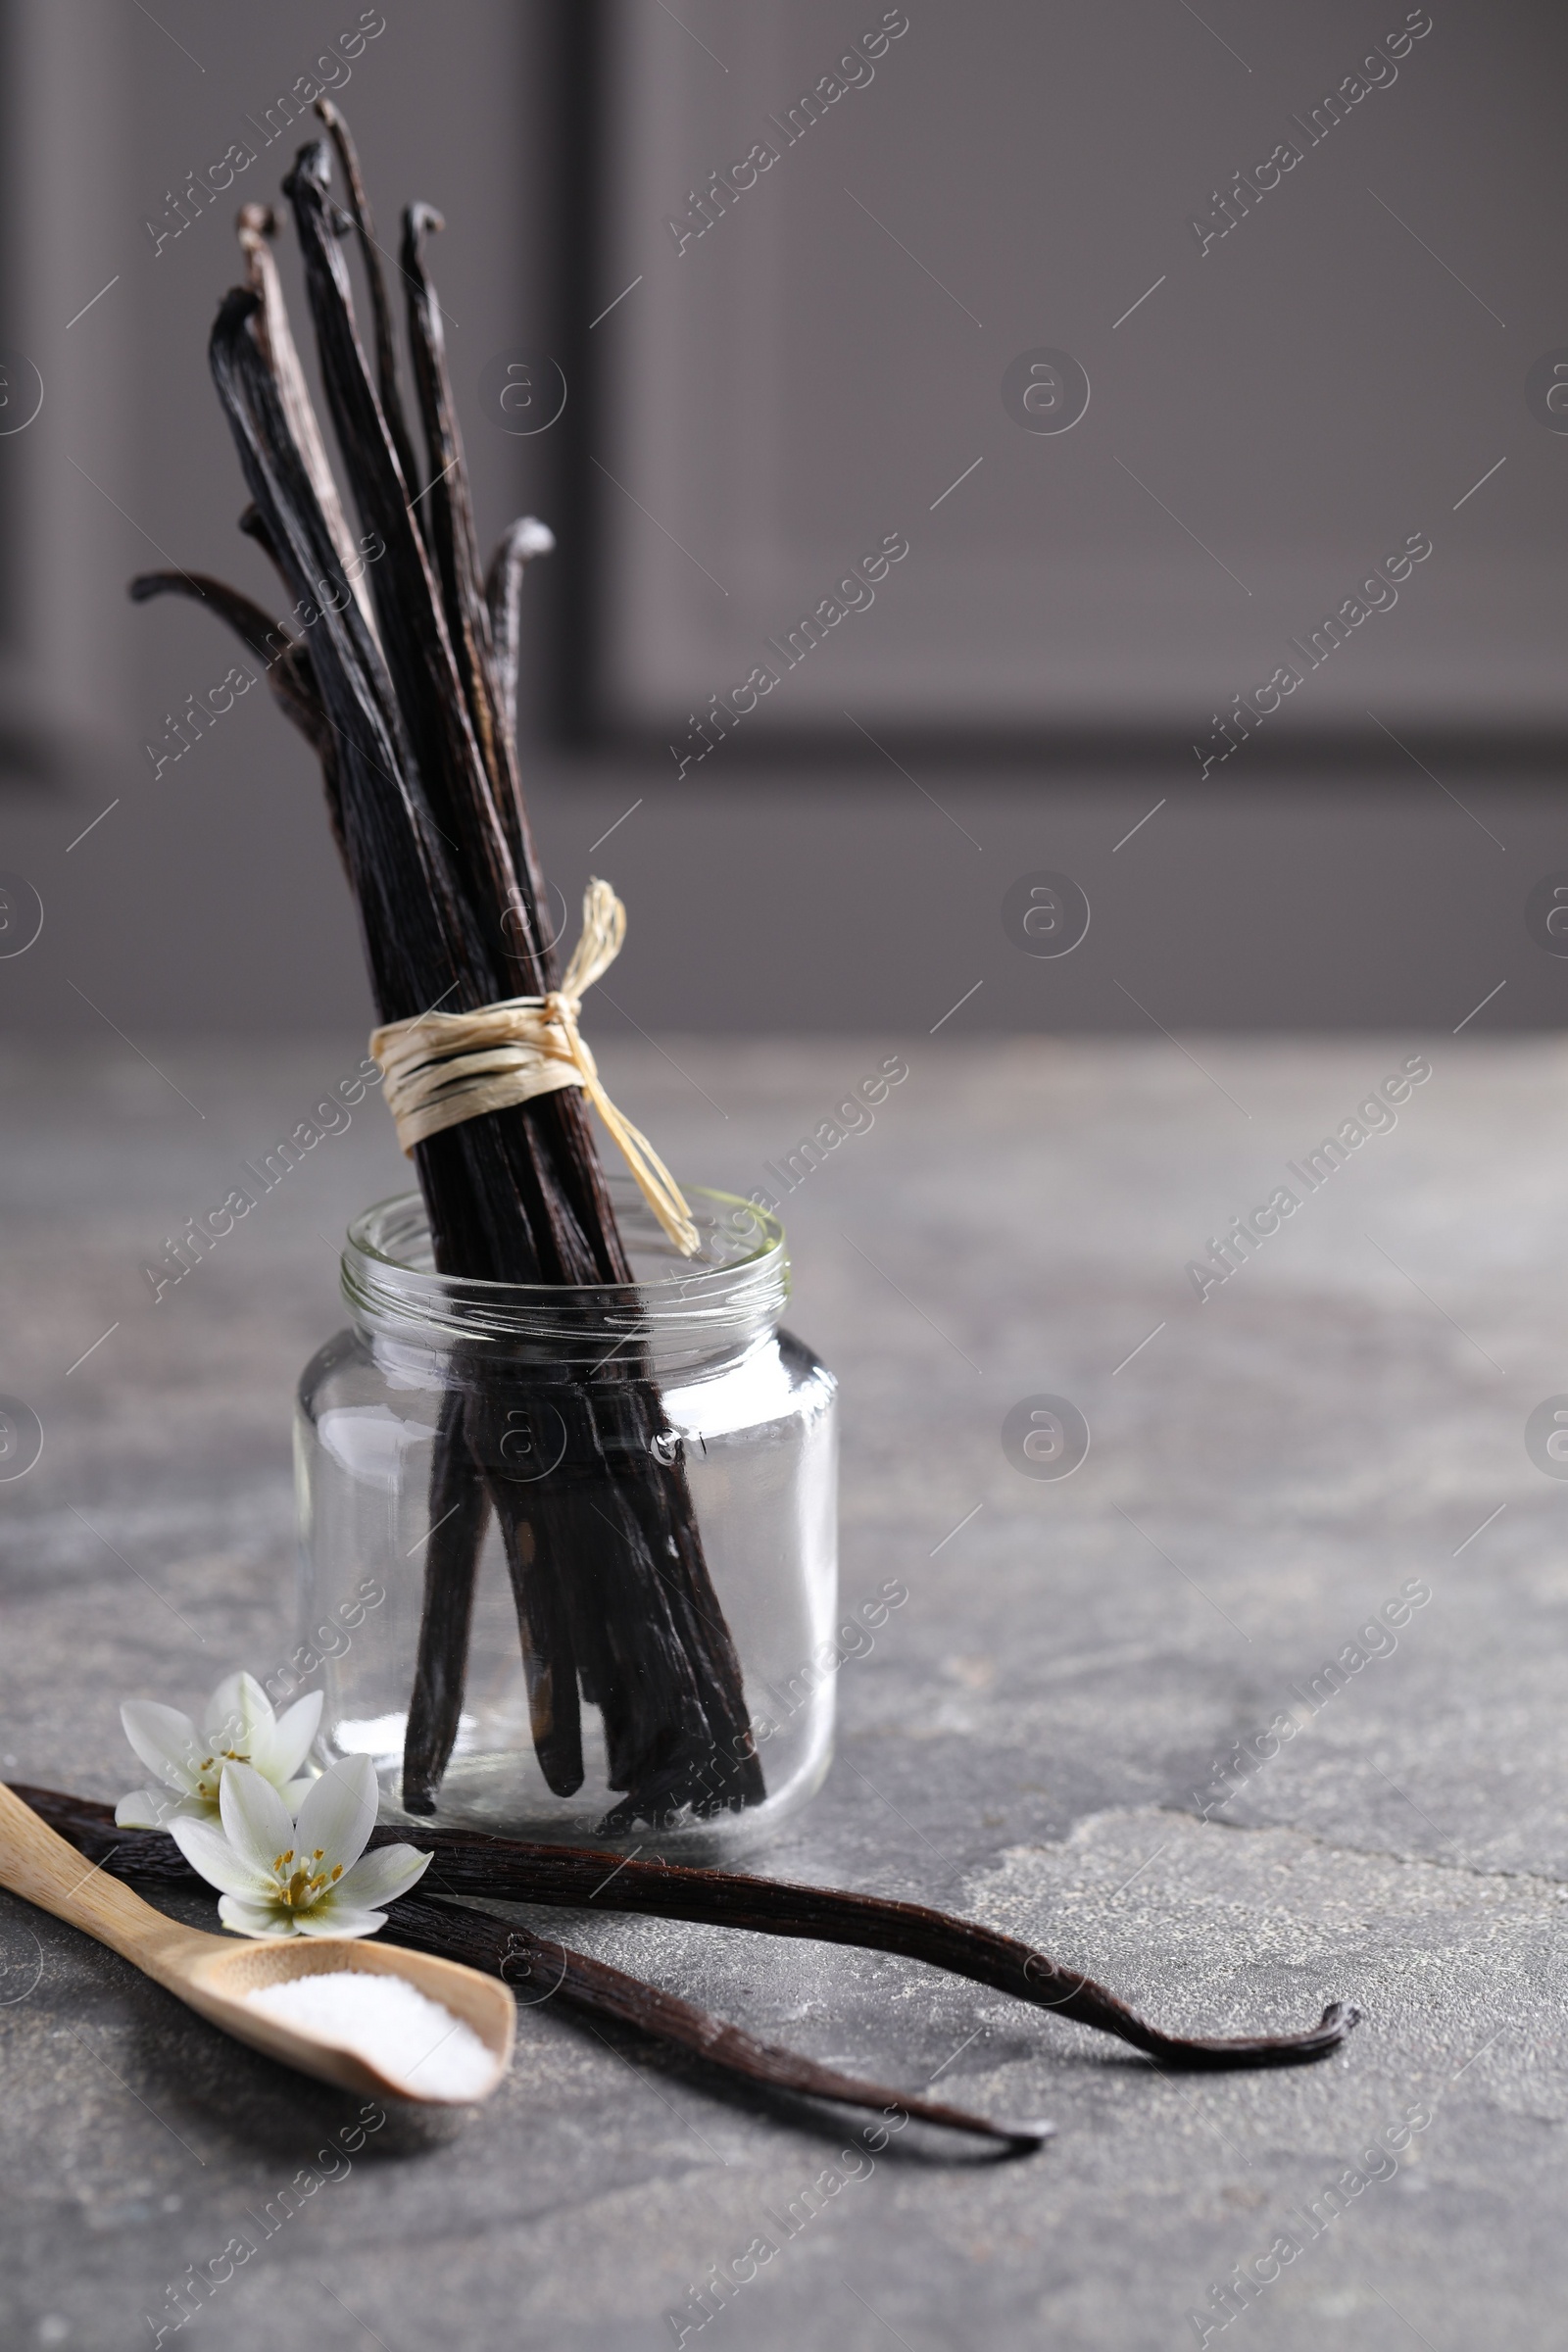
[441,1068]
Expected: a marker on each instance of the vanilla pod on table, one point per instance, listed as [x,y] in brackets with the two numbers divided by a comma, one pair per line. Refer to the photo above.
[543,1970]
[403,678]
[470,1867]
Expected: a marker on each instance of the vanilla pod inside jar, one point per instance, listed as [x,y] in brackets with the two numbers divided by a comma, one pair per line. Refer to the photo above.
[502,1615]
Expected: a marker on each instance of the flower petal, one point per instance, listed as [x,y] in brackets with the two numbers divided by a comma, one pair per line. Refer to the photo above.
[167,1741]
[147,1809]
[156,1808]
[327,1918]
[339,1813]
[290,1741]
[209,1853]
[294,1792]
[255,1821]
[255,1919]
[239,1714]
[379,1877]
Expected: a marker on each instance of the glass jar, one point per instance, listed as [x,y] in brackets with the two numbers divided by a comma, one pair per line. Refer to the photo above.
[568,1555]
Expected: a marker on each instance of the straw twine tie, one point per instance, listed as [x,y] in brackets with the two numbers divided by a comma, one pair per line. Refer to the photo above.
[444,1067]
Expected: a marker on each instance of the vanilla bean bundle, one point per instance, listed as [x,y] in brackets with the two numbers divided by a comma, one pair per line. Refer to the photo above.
[404,678]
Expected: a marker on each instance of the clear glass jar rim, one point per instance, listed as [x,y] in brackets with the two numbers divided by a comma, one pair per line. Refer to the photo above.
[735,1288]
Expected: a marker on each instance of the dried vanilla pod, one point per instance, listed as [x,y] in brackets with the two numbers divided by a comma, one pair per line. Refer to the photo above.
[394,677]
[473,1868]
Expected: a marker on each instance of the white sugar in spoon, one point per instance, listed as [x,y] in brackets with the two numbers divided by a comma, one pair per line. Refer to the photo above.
[214,1974]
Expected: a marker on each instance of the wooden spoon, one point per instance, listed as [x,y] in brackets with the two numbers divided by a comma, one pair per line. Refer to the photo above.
[213,1974]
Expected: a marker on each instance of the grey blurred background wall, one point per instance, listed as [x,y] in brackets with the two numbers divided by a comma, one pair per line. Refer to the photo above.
[1304,265]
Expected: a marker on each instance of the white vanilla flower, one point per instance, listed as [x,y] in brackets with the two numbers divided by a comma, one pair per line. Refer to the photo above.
[309,1876]
[239,1727]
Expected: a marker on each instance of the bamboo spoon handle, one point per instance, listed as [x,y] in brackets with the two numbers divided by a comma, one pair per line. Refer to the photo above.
[36,1863]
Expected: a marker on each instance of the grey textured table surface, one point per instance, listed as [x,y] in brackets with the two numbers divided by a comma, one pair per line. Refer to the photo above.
[1029,1742]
